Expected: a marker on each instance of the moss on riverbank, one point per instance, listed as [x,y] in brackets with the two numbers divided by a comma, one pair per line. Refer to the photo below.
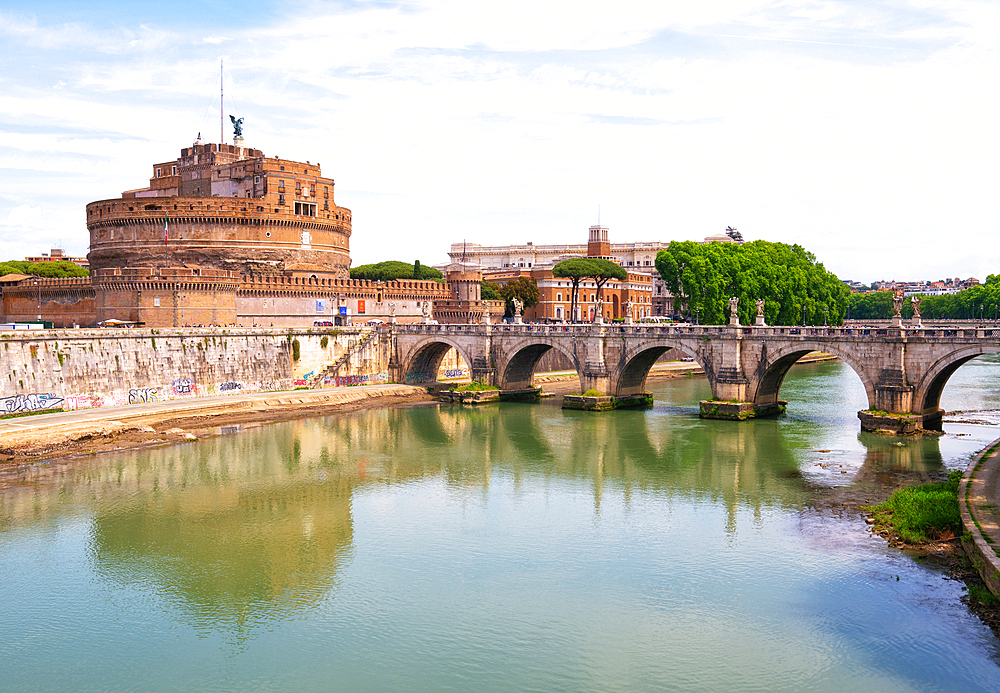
[920,514]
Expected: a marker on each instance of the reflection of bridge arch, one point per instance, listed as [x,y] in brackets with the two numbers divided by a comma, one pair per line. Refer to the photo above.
[927,395]
[639,360]
[766,382]
[521,357]
[421,362]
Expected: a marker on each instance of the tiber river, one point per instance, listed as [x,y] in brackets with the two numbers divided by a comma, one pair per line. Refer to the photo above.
[503,548]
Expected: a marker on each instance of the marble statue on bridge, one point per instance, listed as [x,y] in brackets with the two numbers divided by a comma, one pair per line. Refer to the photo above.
[628,311]
[734,316]
[760,313]
[518,307]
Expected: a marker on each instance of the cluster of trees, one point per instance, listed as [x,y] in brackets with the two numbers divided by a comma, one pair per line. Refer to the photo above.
[796,289]
[978,302]
[579,269]
[391,270]
[53,270]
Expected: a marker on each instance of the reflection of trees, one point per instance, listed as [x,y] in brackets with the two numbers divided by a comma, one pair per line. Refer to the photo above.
[251,528]
[230,538]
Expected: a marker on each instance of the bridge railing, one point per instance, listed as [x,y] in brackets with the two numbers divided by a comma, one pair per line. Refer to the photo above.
[591,330]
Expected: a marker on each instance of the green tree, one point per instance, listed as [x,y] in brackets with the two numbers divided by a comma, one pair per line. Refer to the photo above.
[490,292]
[575,269]
[702,278]
[606,270]
[53,270]
[523,288]
[390,270]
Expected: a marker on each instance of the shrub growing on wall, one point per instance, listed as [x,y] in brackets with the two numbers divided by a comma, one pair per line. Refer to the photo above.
[295,350]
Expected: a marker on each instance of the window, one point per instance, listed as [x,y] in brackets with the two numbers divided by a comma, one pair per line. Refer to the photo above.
[559,297]
[281,185]
[158,173]
[281,200]
[326,192]
[173,170]
[156,302]
[282,168]
[256,180]
[307,209]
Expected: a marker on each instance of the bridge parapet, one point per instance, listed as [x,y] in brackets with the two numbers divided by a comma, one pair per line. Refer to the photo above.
[903,368]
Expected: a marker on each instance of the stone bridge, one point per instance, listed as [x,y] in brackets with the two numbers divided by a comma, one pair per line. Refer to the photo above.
[903,369]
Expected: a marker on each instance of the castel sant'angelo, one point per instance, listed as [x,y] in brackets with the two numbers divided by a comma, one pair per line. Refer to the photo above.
[223,235]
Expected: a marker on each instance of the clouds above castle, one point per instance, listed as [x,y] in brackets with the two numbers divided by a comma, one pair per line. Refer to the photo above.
[842,126]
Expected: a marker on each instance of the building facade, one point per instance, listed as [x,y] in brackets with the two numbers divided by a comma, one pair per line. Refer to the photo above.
[638,258]
[618,299]
[222,235]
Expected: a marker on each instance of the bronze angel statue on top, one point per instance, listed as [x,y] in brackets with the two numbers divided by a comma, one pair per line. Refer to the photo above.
[237,126]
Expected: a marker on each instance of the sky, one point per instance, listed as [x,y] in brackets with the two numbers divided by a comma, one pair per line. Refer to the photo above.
[866,132]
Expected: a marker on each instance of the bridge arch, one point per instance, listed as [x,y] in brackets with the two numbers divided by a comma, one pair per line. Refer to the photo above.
[927,396]
[639,360]
[766,382]
[517,367]
[420,364]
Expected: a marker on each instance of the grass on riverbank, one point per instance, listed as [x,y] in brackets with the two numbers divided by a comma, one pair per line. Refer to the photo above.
[475,386]
[921,514]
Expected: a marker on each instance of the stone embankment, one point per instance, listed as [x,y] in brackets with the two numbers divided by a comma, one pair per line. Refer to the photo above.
[979,504]
[62,434]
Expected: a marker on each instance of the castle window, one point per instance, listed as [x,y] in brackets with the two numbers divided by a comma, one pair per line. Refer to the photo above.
[256,180]
[281,200]
[281,185]
[159,172]
[326,192]
[282,168]
[305,209]
[173,170]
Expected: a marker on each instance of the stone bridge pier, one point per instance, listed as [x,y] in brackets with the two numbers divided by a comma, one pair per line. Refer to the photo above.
[903,370]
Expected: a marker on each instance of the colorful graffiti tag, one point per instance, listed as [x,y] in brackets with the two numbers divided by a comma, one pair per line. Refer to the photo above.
[29,403]
[142,395]
[366,379]
[183,386]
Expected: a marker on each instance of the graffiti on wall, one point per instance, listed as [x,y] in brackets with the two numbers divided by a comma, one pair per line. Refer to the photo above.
[28,403]
[142,395]
[367,379]
[183,386]
[456,373]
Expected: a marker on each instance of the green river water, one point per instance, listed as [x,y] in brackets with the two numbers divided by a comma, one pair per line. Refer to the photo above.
[513,547]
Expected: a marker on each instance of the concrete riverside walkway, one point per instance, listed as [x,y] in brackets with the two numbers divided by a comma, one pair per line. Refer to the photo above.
[979,504]
[67,424]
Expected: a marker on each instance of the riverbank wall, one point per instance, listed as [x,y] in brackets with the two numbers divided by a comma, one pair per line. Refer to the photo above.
[79,369]
[978,499]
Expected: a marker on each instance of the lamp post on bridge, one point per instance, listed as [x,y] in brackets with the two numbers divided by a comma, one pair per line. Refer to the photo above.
[826,314]
[803,315]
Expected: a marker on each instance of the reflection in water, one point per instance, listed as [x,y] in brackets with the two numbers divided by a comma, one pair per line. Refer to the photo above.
[494,548]
[250,531]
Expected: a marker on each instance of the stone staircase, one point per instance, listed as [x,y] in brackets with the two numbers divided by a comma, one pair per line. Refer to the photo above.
[332,370]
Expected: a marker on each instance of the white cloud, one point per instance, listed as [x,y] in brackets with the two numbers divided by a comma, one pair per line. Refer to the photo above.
[454,121]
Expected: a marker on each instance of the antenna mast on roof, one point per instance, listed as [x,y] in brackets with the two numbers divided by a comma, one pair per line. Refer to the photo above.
[222,125]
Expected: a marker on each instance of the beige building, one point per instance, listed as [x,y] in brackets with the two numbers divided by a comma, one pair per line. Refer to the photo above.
[638,258]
